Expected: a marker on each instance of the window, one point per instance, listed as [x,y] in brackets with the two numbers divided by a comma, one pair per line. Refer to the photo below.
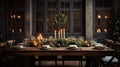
[103,15]
[15,16]
[47,9]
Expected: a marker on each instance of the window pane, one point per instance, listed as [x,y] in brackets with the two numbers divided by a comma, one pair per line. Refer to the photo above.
[39,14]
[77,29]
[103,3]
[67,29]
[77,21]
[52,5]
[40,26]
[17,4]
[107,3]
[77,14]
[99,3]
[65,5]
[51,14]
[40,4]
[77,5]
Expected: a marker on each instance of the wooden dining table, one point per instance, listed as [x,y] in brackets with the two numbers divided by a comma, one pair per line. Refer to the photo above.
[55,51]
[60,51]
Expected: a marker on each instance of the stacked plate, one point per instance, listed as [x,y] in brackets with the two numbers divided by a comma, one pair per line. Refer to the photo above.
[99,46]
[18,47]
[45,47]
[72,47]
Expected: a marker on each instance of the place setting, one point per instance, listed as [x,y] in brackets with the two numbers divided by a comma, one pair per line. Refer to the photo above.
[18,47]
[99,46]
[45,47]
[72,47]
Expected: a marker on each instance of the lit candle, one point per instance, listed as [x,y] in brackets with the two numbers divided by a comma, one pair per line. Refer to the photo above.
[35,43]
[98,30]
[55,34]
[13,16]
[13,30]
[106,17]
[20,30]
[105,30]
[99,16]
[40,37]
[64,33]
[18,16]
[61,32]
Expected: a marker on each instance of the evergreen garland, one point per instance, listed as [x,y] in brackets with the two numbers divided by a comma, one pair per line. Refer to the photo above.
[60,18]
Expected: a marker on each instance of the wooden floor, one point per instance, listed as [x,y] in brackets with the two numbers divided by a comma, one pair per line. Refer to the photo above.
[66,64]
[59,64]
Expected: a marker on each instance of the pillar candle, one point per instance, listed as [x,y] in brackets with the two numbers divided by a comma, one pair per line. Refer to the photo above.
[55,34]
[64,33]
[61,33]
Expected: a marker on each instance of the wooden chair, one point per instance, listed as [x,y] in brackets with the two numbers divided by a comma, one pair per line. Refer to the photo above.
[5,61]
[116,45]
[112,61]
[10,59]
[109,42]
[10,43]
[2,46]
[47,58]
[72,58]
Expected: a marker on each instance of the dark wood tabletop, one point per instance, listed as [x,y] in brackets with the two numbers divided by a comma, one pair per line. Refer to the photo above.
[55,51]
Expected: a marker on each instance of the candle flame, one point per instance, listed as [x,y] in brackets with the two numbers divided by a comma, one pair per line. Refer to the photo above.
[99,16]
[105,30]
[19,16]
[98,30]
[13,30]
[106,17]
[35,43]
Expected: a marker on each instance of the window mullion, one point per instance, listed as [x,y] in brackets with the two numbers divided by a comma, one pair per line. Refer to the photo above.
[45,14]
[71,16]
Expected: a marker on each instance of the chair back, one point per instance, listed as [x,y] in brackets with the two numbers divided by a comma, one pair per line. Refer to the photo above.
[10,43]
[3,45]
[116,46]
[109,42]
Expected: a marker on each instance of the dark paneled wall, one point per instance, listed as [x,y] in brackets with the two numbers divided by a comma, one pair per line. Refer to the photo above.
[117,6]
[2,19]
